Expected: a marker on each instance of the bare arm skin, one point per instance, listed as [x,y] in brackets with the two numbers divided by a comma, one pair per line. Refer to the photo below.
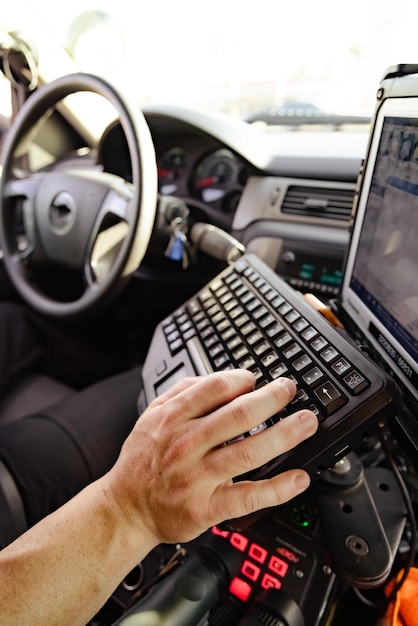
[172,481]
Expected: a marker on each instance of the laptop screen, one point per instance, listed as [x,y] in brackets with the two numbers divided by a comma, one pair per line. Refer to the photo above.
[380,287]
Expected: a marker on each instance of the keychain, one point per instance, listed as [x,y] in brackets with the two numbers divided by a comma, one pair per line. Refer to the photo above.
[178,246]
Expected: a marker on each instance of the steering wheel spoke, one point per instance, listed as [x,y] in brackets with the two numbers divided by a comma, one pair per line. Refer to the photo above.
[112,226]
[18,208]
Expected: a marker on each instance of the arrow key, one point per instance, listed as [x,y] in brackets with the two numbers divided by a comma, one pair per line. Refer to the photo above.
[330,399]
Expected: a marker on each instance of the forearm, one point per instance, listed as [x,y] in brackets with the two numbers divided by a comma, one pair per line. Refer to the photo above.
[64,568]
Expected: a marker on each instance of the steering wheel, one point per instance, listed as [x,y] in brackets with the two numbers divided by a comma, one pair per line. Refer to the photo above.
[74,217]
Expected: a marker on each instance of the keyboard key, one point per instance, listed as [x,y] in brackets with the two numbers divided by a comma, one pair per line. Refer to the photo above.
[193,307]
[301,362]
[247,363]
[260,312]
[202,324]
[292,316]
[277,301]
[257,429]
[170,328]
[191,332]
[254,338]
[330,399]
[318,343]
[283,340]
[269,358]
[223,325]
[257,373]
[173,336]
[241,320]
[274,330]
[270,295]
[285,308]
[210,341]
[248,328]
[176,346]
[215,350]
[236,312]
[356,382]
[221,291]
[240,353]
[228,333]
[312,376]
[262,347]
[217,319]
[266,321]
[253,304]
[300,397]
[341,366]
[300,324]
[234,342]
[278,370]
[309,333]
[328,354]
[246,297]
[230,304]
[291,351]
[221,360]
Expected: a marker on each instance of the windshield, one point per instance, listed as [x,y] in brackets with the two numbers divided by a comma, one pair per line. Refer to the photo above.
[305,58]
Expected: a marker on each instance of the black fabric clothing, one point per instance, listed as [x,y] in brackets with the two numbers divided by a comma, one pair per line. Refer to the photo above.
[53,454]
[57,451]
[20,345]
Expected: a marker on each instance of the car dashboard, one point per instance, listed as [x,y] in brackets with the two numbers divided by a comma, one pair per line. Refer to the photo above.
[286,196]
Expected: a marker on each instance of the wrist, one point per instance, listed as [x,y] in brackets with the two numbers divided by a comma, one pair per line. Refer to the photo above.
[123,518]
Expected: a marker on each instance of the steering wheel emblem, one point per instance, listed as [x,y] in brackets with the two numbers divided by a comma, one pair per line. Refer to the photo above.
[62,212]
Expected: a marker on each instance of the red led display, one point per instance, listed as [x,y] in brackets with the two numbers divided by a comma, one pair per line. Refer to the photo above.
[239,541]
[221,533]
[250,570]
[257,553]
[269,581]
[278,566]
[240,589]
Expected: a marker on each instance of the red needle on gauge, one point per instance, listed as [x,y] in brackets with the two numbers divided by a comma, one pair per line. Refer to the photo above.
[205,182]
[165,173]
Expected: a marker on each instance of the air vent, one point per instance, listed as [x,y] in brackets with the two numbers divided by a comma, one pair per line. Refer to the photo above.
[335,204]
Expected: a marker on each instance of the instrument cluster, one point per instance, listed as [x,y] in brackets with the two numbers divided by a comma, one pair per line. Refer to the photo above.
[215,179]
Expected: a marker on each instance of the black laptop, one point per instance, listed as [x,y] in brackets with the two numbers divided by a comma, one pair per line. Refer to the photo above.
[356,380]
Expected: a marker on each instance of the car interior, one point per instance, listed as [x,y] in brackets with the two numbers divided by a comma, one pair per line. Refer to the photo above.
[186,240]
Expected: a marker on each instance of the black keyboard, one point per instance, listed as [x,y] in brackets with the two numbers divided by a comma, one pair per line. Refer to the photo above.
[247,317]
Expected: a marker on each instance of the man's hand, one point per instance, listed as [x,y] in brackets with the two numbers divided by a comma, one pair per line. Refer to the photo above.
[174,476]
[172,481]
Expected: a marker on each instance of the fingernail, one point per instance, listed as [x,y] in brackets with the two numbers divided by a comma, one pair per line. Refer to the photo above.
[289,384]
[309,422]
[301,481]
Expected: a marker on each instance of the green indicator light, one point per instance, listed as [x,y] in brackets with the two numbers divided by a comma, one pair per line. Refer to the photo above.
[301,515]
[305,275]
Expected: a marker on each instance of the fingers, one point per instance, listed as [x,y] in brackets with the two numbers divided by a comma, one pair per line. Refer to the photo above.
[177,388]
[243,498]
[229,411]
[197,397]
[250,410]
[252,452]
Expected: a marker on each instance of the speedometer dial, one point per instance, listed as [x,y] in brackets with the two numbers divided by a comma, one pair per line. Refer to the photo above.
[215,175]
[171,168]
